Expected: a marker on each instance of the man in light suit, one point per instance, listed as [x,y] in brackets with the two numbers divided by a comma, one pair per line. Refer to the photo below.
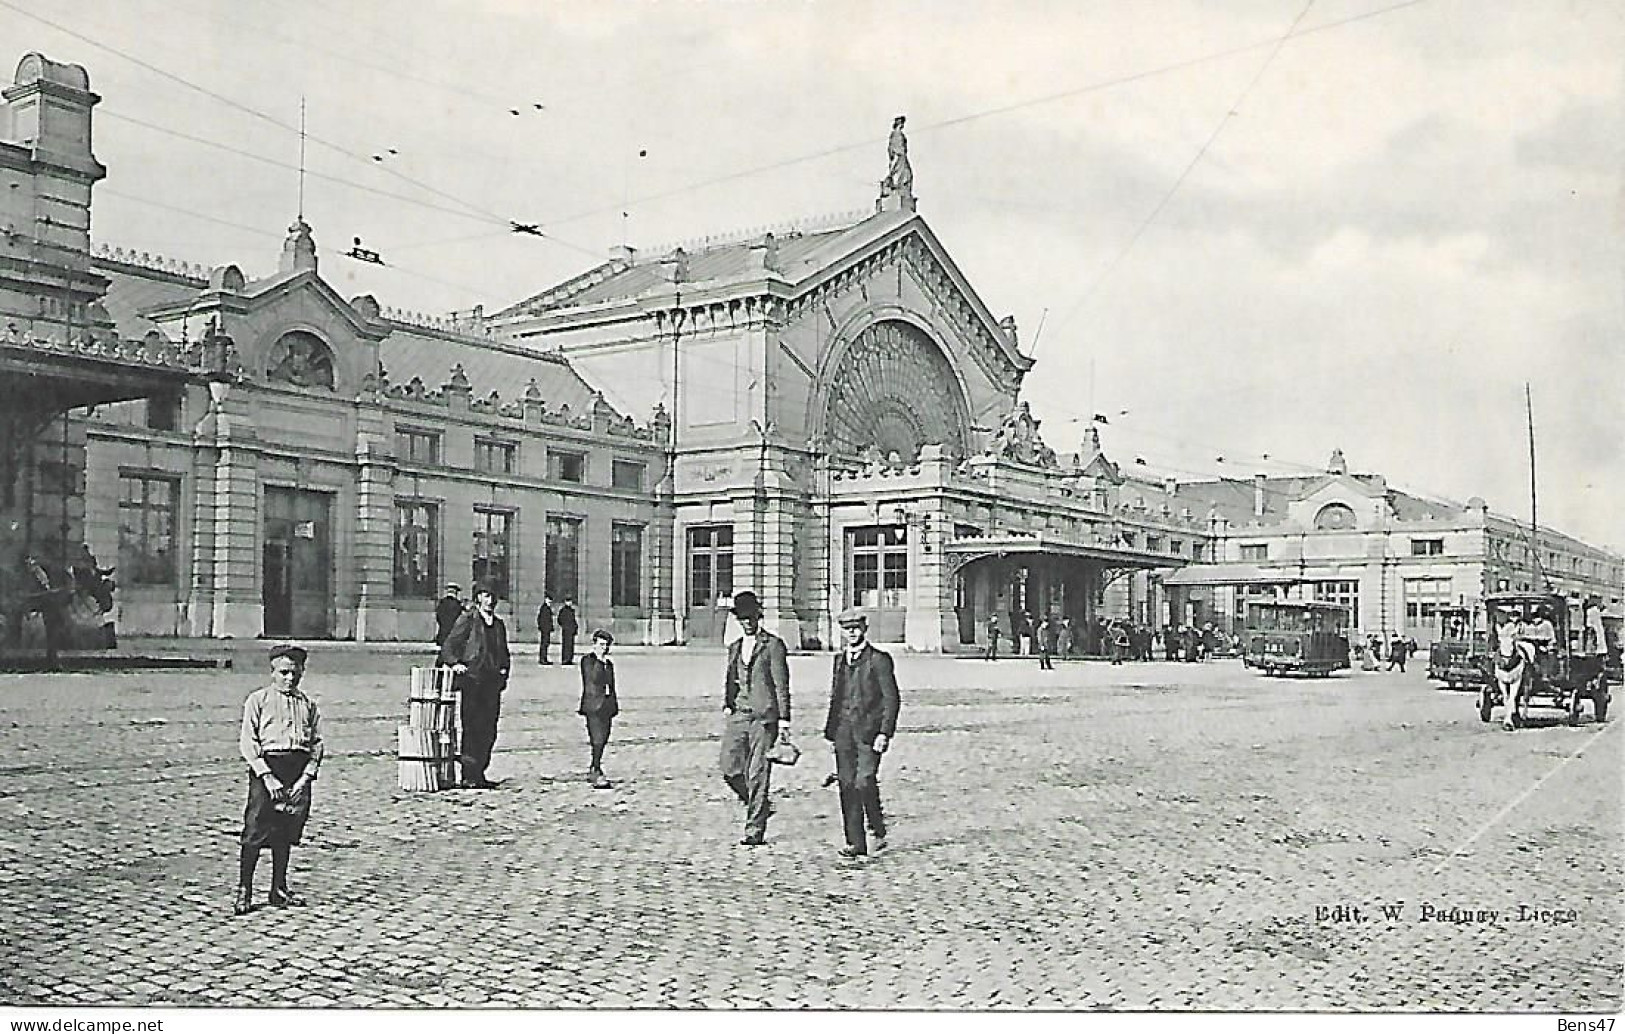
[863,706]
[756,697]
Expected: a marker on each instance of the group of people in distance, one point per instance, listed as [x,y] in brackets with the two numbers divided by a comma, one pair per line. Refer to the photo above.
[1056,635]
[281,741]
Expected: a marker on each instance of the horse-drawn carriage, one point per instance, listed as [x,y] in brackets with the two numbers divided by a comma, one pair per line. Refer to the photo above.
[1534,659]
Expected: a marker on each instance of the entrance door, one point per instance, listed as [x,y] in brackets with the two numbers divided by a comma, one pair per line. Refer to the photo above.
[710,581]
[298,559]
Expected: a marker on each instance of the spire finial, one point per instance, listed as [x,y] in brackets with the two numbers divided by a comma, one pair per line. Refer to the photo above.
[301,158]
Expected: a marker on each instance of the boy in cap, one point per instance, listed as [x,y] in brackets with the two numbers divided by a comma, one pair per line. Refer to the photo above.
[863,706]
[282,742]
[599,704]
[756,697]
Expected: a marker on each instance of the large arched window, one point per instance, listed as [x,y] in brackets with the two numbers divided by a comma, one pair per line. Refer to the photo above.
[893,391]
[301,359]
[1334,517]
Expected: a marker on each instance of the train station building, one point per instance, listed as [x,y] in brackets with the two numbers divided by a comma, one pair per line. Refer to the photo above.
[826,413]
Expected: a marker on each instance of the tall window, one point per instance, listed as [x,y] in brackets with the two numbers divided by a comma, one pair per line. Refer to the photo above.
[414,446]
[710,565]
[1344,593]
[1424,599]
[563,558]
[146,529]
[492,549]
[628,475]
[879,566]
[626,565]
[417,548]
[567,466]
[494,457]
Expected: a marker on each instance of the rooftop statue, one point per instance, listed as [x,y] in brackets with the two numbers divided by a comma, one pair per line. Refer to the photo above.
[898,186]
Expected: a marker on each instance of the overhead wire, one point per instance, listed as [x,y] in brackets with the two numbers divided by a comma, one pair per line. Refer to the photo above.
[1184,174]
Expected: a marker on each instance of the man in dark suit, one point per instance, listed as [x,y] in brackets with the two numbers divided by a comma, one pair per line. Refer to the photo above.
[599,705]
[476,651]
[863,706]
[544,629]
[567,632]
[756,697]
[447,611]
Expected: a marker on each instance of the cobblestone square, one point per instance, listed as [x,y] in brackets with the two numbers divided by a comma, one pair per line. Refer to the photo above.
[1153,836]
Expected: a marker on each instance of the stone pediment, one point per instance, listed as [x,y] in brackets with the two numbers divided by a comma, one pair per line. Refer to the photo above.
[893,241]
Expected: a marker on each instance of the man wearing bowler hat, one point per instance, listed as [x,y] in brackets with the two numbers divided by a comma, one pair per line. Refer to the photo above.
[756,697]
[863,706]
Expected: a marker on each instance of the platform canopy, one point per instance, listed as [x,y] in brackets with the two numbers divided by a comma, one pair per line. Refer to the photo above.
[1005,545]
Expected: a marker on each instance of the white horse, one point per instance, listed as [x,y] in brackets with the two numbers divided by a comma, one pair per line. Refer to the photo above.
[1514,667]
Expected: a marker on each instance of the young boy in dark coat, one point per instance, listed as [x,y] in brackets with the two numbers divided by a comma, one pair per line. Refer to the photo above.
[599,705]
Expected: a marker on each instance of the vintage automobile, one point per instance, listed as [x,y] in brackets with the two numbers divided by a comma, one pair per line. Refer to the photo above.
[1459,656]
[1296,637]
[1550,670]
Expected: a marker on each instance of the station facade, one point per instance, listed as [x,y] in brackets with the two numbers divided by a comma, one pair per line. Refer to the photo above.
[1396,560]
[828,415]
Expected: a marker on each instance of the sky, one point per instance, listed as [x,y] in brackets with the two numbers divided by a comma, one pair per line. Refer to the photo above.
[1246,233]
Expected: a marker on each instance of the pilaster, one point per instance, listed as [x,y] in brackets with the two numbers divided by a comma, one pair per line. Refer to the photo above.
[238,604]
[375,617]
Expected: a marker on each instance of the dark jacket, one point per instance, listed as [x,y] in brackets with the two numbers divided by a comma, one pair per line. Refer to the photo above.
[567,620]
[446,613]
[863,694]
[544,619]
[763,690]
[483,648]
[598,687]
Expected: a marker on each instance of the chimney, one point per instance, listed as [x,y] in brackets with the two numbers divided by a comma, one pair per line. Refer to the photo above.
[624,253]
[1258,494]
[1170,486]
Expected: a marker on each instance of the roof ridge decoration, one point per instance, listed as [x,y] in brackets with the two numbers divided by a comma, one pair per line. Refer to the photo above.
[529,408]
[148,260]
[783,229]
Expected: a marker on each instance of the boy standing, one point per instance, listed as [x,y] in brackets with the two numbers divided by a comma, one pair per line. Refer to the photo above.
[282,742]
[599,704]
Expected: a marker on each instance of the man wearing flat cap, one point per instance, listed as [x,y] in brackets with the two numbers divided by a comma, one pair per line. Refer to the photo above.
[476,651]
[281,741]
[863,706]
[756,697]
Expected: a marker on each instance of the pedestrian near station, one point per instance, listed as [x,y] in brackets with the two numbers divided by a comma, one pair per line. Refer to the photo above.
[992,652]
[476,651]
[756,699]
[544,630]
[568,627]
[447,611]
[863,707]
[281,741]
[599,704]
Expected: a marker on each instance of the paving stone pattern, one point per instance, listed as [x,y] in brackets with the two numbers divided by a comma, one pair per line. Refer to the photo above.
[1152,836]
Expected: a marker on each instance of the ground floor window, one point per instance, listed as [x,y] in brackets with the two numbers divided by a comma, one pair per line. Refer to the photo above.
[710,565]
[417,549]
[1344,593]
[563,580]
[626,565]
[146,529]
[1425,598]
[493,549]
[878,562]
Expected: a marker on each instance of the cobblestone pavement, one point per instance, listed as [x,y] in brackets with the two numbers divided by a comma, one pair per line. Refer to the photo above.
[1153,836]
